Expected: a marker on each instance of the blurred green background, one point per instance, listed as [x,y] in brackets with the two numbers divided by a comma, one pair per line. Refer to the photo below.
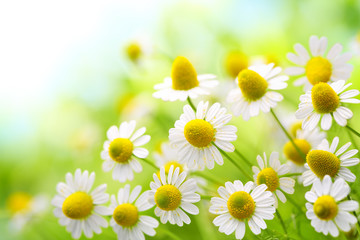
[66,78]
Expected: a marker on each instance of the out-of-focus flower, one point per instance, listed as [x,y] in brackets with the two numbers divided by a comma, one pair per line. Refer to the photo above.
[317,68]
[172,196]
[254,90]
[184,82]
[325,161]
[235,62]
[326,208]
[126,220]
[271,176]
[325,101]
[79,210]
[118,151]
[167,157]
[355,45]
[238,204]
[197,134]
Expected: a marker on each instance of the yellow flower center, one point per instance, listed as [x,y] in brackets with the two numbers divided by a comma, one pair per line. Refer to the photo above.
[183,74]
[120,149]
[325,207]
[269,177]
[235,62]
[252,85]
[133,51]
[78,205]
[19,202]
[293,155]
[199,133]
[241,205]
[323,163]
[168,197]
[324,98]
[294,127]
[126,215]
[318,69]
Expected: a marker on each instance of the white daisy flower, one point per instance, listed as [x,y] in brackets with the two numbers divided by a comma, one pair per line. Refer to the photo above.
[327,210]
[79,210]
[238,204]
[126,220]
[235,62]
[270,175]
[317,68]
[120,149]
[325,161]
[23,208]
[167,157]
[326,102]
[172,197]
[184,82]
[254,91]
[197,133]
[305,140]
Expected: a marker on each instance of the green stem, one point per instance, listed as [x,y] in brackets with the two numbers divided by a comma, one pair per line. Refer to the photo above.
[233,162]
[291,175]
[282,223]
[243,157]
[358,223]
[353,130]
[150,163]
[207,177]
[288,136]
[295,204]
[353,141]
[191,104]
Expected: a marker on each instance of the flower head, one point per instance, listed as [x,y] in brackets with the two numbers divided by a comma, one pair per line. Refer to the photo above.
[327,209]
[119,150]
[79,209]
[197,134]
[238,204]
[324,102]
[254,91]
[316,68]
[235,62]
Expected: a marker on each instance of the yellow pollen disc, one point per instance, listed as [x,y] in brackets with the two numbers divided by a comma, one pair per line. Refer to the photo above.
[294,127]
[120,149]
[324,98]
[235,62]
[19,202]
[183,74]
[199,133]
[133,51]
[168,197]
[252,85]
[293,155]
[78,205]
[318,69]
[325,207]
[241,205]
[323,163]
[126,215]
[269,177]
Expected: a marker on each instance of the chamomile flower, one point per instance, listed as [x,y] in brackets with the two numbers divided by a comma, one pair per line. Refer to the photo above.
[270,175]
[197,134]
[235,62]
[184,82]
[23,207]
[325,161]
[120,149]
[172,196]
[324,102]
[126,220]
[305,140]
[238,204]
[79,210]
[316,68]
[167,157]
[355,44]
[327,209]
[254,91]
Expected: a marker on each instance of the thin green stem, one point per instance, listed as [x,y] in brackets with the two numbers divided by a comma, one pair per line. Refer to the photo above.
[233,162]
[288,136]
[295,204]
[243,157]
[354,212]
[353,130]
[150,163]
[191,104]
[282,223]
[291,175]
[207,177]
